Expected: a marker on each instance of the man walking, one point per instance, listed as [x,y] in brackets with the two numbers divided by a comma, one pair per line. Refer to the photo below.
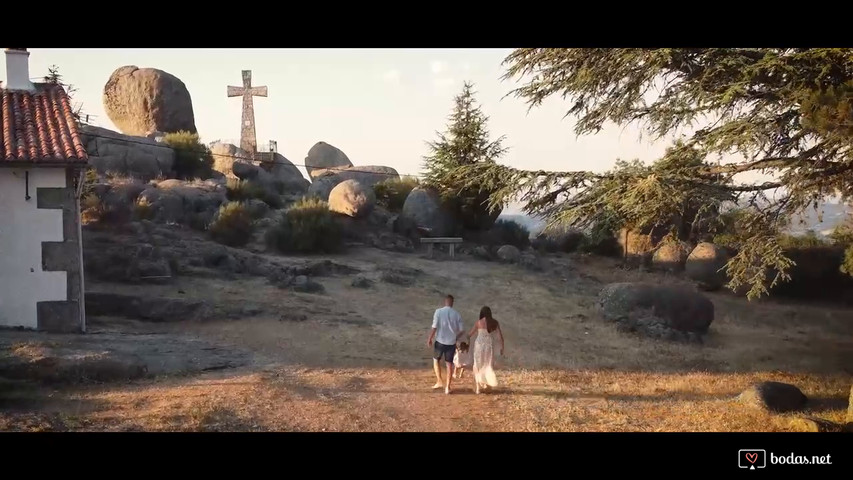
[446,329]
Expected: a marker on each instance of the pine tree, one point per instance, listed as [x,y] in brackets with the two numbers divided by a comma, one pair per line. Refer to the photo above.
[787,111]
[53,76]
[466,142]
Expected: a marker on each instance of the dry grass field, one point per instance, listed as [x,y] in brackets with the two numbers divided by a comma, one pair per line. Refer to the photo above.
[355,359]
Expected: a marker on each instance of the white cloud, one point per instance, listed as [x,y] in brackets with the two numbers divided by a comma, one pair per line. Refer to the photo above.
[443,82]
[438,66]
[392,76]
[466,67]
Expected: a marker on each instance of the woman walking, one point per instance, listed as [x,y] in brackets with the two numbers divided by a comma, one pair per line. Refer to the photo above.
[485,330]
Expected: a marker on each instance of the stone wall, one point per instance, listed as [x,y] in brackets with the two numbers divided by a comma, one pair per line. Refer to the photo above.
[64,256]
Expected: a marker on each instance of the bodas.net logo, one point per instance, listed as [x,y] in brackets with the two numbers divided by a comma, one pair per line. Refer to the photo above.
[751,458]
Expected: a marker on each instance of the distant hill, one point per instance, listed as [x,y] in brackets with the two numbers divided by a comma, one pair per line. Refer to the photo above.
[823,221]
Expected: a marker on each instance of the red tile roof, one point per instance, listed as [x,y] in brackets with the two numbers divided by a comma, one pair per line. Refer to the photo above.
[39,127]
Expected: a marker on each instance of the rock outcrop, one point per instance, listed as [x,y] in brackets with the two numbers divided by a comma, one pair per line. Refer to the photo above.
[125,263]
[279,176]
[187,203]
[144,100]
[151,309]
[113,154]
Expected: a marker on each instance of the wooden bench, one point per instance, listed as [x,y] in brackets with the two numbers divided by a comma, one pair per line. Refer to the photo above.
[450,241]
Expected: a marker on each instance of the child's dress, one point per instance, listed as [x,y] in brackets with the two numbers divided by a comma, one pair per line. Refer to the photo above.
[463,359]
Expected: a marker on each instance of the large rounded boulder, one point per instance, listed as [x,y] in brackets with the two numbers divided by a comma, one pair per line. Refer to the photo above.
[775,397]
[671,256]
[323,156]
[352,199]
[277,177]
[659,311]
[706,266]
[508,253]
[285,173]
[144,100]
[424,208]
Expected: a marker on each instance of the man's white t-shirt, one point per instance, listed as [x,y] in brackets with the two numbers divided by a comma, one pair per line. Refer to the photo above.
[448,323]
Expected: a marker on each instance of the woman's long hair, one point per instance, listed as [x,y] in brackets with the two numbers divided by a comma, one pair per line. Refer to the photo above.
[491,323]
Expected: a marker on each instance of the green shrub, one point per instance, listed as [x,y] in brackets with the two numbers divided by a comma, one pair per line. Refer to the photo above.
[727,240]
[847,263]
[601,240]
[192,158]
[608,247]
[724,231]
[842,235]
[89,181]
[392,193]
[307,227]
[566,241]
[233,225]
[241,190]
[508,232]
[93,210]
[818,272]
[808,240]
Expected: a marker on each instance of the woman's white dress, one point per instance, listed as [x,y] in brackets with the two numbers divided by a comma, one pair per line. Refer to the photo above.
[484,355]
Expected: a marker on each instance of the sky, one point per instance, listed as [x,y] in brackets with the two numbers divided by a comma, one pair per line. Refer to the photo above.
[380,106]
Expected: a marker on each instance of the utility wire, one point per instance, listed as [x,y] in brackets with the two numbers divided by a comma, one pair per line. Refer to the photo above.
[240,157]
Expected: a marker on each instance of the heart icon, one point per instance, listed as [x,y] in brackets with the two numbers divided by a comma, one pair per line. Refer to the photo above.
[752,457]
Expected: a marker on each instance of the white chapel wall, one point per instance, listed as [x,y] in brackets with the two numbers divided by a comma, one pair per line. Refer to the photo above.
[23,227]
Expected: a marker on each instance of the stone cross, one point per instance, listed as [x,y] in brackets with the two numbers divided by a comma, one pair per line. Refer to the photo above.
[248,141]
